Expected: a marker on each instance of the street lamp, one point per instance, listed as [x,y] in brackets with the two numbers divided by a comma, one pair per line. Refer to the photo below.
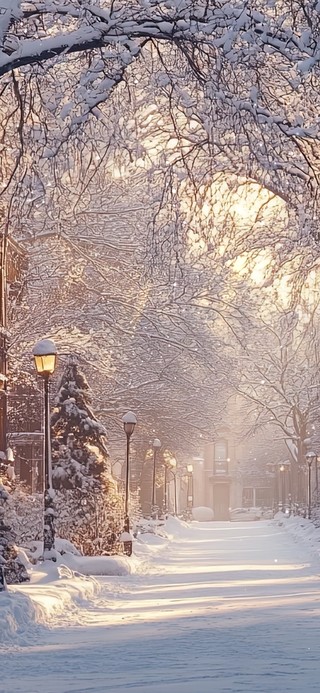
[45,357]
[173,463]
[283,468]
[168,463]
[129,421]
[271,469]
[310,456]
[165,489]
[190,486]
[156,446]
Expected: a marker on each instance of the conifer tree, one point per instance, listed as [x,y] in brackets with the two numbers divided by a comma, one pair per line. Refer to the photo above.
[79,441]
[89,507]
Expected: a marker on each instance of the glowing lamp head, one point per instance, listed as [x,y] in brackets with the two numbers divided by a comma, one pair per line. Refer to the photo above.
[310,455]
[157,443]
[129,421]
[189,468]
[45,357]
[284,466]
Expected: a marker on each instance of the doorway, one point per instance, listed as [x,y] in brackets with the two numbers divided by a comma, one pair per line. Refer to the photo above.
[221,501]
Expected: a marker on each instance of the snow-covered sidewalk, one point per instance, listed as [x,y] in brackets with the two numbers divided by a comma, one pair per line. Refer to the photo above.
[55,589]
[223,607]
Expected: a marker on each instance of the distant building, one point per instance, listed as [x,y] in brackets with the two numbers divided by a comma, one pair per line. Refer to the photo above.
[13,266]
[20,405]
[222,487]
[234,474]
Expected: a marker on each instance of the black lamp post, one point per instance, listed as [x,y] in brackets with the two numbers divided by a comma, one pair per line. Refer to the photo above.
[45,357]
[129,421]
[310,456]
[190,487]
[165,489]
[284,467]
[271,472]
[173,463]
[156,446]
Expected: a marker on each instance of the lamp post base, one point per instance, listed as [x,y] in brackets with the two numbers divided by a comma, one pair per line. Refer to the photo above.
[48,530]
[127,544]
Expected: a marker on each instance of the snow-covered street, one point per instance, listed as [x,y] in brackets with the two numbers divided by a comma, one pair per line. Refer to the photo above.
[159,346]
[224,607]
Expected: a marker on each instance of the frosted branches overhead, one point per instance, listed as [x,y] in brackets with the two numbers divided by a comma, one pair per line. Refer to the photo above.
[249,60]
[237,28]
[190,89]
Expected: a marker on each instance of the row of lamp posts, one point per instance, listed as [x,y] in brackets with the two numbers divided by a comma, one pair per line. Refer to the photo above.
[45,358]
[129,421]
[284,468]
[173,469]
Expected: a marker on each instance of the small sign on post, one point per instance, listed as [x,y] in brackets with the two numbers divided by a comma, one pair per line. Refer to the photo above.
[126,538]
[127,548]
[3,584]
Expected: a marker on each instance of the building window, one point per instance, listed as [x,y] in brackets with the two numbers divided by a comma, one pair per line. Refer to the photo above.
[256,497]
[220,461]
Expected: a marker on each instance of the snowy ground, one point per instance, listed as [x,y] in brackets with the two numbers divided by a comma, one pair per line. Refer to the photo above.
[214,608]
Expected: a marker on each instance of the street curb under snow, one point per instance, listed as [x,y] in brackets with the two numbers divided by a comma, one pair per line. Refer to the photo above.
[55,588]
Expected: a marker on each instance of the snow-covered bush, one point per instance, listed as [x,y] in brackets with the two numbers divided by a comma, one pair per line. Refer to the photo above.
[202,514]
[90,518]
[24,513]
[12,568]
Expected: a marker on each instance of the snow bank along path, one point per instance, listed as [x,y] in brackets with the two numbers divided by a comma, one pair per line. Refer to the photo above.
[226,608]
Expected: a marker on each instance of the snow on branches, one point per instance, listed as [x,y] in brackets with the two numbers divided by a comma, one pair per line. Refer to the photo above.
[236,88]
[79,26]
[12,566]
[77,436]
[37,32]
